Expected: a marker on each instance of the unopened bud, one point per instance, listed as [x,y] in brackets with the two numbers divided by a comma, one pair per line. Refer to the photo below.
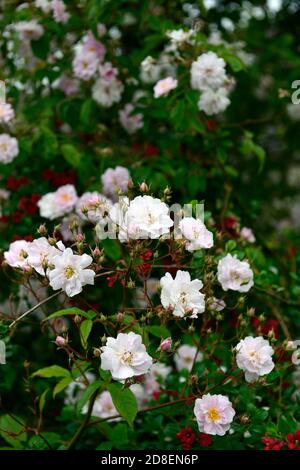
[166,344]
[97,352]
[80,238]
[97,252]
[60,341]
[144,187]
[120,317]
[77,319]
[42,230]
[245,419]
[103,339]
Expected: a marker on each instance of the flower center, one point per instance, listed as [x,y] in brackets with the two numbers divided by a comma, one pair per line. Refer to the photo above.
[3,147]
[69,272]
[151,218]
[182,297]
[234,275]
[213,414]
[127,357]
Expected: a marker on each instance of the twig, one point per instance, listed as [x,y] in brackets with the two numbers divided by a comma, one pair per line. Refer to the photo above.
[84,422]
[35,307]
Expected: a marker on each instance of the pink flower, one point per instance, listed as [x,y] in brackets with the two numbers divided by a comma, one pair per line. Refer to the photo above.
[92,45]
[9,148]
[163,87]
[66,198]
[29,30]
[166,344]
[214,414]
[85,65]
[247,234]
[6,112]
[60,13]
[60,341]
[115,180]
[130,121]
[93,206]
[70,86]
[17,254]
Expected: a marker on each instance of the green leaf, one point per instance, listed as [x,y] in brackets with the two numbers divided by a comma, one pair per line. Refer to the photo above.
[52,371]
[40,47]
[235,62]
[42,400]
[105,446]
[119,434]
[89,391]
[71,155]
[11,430]
[61,385]
[86,111]
[112,249]
[68,311]
[124,401]
[85,329]
[158,331]
[105,375]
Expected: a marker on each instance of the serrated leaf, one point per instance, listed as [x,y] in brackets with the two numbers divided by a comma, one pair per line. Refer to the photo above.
[124,401]
[52,371]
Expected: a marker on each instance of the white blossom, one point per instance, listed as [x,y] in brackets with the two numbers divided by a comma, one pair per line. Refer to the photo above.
[214,101]
[196,234]
[125,356]
[9,148]
[181,295]
[17,254]
[70,272]
[208,72]
[234,274]
[185,357]
[254,357]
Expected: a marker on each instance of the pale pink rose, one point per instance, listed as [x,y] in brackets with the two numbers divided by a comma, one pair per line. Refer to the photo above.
[60,14]
[107,71]
[214,414]
[29,30]
[247,234]
[164,86]
[85,65]
[9,148]
[93,206]
[115,180]
[129,120]
[6,112]
[91,45]
[70,86]
[196,234]
[17,254]
[66,197]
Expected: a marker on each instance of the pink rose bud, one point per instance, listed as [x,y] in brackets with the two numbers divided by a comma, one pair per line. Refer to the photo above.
[60,341]
[144,187]
[97,252]
[166,344]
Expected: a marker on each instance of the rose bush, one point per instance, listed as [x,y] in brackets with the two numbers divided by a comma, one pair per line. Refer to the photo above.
[149,288]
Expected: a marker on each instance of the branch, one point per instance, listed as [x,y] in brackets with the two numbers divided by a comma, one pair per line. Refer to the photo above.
[35,307]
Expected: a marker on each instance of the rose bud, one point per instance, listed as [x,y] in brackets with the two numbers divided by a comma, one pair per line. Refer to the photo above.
[166,344]
[60,341]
